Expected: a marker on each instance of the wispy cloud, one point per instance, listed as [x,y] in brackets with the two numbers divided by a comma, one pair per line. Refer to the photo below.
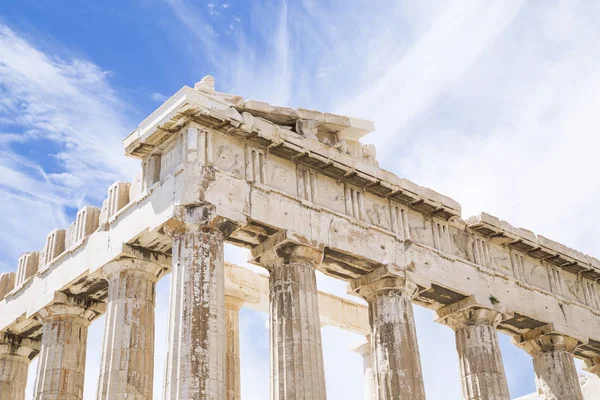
[437,58]
[161,98]
[62,126]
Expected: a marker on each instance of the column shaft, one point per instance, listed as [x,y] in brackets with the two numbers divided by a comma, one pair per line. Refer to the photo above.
[127,366]
[13,376]
[552,351]
[61,366]
[196,343]
[394,345]
[369,378]
[481,368]
[556,376]
[232,356]
[297,370]
[15,356]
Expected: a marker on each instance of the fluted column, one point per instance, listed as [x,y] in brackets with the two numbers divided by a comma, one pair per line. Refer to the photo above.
[15,356]
[196,337]
[481,368]
[297,370]
[552,351]
[395,350]
[127,366]
[61,366]
[369,378]
[232,356]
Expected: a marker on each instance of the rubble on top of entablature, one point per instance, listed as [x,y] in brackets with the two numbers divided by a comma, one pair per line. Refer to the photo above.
[369,154]
[338,131]
[206,86]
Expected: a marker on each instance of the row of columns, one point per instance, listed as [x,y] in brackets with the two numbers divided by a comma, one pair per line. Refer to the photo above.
[391,359]
[203,333]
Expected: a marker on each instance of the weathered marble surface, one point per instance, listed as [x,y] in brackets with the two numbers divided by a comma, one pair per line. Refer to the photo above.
[590,386]
[232,355]
[127,366]
[365,351]
[61,367]
[196,338]
[297,370]
[555,373]
[395,351]
[481,368]
[15,357]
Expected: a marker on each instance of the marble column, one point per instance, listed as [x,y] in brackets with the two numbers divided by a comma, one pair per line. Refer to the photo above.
[394,345]
[555,373]
[369,378]
[196,337]
[297,370]
[15,356]
[233,304]
[127,365]
[61,366]
[481,368]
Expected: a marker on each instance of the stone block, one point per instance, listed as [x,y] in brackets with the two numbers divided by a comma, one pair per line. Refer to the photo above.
[7,283]
[118,197]
[28,266]
[55,246]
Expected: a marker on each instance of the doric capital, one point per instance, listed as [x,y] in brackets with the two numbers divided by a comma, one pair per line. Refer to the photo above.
[387,278]
[592,365]
[548,338]
[233,302]
[285,247]
[472,311]
[17,346]
[64,306]
[196,218]
[364,349]
[138,260]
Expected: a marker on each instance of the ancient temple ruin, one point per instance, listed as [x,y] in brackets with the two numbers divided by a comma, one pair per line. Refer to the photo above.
[299,190]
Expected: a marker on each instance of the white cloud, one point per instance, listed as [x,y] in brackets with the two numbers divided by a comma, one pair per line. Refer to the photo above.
[438,57]
[66,105]
[158,97]
[212,10]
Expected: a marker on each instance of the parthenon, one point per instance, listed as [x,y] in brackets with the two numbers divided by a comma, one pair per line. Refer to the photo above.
[298,189]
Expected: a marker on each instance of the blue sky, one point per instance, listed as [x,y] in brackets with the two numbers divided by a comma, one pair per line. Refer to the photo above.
[494,103]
